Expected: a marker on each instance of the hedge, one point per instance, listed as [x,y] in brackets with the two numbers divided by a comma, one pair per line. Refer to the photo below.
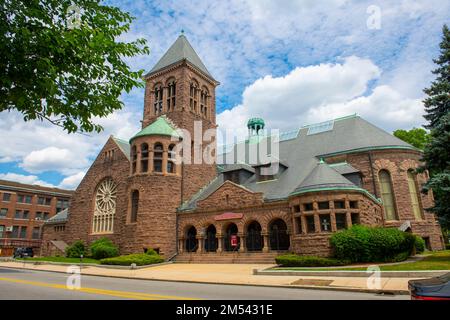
[140,259]
[151,252]
[103,248]
[293,260]
[419,244]
[369,244]
[76,249]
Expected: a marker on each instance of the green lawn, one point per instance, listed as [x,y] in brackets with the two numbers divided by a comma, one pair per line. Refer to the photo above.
[436,261]
[61,259]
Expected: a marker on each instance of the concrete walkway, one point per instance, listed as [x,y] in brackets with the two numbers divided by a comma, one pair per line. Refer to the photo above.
[241,274]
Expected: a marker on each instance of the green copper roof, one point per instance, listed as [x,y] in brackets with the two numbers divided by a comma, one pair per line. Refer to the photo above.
[255,121]
[161,127]
[180,50]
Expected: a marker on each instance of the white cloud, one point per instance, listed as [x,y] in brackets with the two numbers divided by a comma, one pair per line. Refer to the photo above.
[322,92]
[27,179]
[72,181]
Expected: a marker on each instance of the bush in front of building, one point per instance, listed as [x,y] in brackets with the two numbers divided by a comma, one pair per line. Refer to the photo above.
[140,259]
[293,260]
[76,249]
[372,244]
[151,252]
[419,244]
[103,248]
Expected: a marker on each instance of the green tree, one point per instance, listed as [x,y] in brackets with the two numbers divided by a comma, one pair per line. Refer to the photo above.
[436,153]
[416,137]
[63,61]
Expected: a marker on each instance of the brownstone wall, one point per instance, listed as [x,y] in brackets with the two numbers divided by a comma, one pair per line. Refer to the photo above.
[397,163]
[79,225]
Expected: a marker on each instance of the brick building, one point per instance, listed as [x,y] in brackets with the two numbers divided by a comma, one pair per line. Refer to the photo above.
[23,210]
[153,192]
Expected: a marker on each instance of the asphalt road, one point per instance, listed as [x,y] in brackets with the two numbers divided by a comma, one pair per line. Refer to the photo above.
[35,285]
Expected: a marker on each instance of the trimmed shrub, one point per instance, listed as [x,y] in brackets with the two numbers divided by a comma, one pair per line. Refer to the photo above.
[293,260]
[103,248]
[151,252]
[419,244]
[76,249]
[368,244]
[140,259]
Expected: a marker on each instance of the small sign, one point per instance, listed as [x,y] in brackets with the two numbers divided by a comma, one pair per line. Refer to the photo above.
[234,240]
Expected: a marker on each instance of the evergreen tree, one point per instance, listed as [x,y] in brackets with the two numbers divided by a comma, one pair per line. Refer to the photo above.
[438,102]
[437,152]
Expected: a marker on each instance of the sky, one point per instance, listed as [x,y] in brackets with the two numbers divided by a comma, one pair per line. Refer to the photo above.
[291,62]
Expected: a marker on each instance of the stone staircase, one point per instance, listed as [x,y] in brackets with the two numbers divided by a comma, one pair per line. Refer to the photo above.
[228,257]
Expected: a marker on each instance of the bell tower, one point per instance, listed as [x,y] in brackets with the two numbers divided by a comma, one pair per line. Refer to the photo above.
[180,87]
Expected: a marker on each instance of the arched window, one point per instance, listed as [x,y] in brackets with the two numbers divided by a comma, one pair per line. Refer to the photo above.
[171,159]
[415,206]
[134,205]
[387,195]
[157,157]
[144,157]
[171,92]
[204,102]
[193,94]
[278,235]
[133,159]
[158,99]
[105,207]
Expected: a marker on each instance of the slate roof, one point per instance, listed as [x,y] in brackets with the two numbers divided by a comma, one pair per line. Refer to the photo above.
[180,50]
[60,217]
[301,155]
[161,126]
[124,146]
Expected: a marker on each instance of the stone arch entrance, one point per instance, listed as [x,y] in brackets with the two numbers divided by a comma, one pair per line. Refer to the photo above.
[278,235]
[211,239]
[191,242]
[230,231]
[254,240]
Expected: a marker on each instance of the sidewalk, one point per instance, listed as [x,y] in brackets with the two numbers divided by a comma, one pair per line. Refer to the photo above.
[237,274]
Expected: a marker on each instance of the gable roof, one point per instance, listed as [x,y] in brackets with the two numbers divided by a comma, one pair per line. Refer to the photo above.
[301,153]
[180,50]
[124,146]
[162,126]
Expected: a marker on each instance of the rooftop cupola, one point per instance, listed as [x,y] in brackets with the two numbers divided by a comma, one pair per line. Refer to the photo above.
[255,126]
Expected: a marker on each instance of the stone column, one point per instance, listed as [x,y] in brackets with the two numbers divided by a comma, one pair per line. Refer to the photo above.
[219,244]
[349,219]
[243,244]
[200,244]
[181,245]
[266,242]
[333,222]
[317,222]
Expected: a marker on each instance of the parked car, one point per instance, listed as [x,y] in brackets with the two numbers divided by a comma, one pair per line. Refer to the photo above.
[23,252]
[437,288]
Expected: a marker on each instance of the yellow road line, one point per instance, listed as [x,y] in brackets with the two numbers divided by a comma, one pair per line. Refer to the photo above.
[114,293]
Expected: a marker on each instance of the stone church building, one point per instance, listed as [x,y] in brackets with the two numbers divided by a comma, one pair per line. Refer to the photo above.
[329,176]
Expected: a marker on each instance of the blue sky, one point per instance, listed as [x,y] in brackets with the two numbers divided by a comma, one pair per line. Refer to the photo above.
[291,62]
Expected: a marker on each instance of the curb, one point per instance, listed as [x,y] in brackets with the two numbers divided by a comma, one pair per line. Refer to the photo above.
[363,274]
[106,266]
[328,288]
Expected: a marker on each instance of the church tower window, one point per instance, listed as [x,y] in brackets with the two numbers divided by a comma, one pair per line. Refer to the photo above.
[204,102]
[157,157]
[414,195]
[105,207]
[193,94]
[171,92]
[158,105]
[134,205]
[171,159]
[144,157]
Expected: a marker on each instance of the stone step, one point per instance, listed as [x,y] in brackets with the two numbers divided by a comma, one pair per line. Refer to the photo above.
[241,257]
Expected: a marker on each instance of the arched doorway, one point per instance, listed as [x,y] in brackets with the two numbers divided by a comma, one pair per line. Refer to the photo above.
[211,240]
[230,232]
[278,235]
[191,239]
[254,239]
